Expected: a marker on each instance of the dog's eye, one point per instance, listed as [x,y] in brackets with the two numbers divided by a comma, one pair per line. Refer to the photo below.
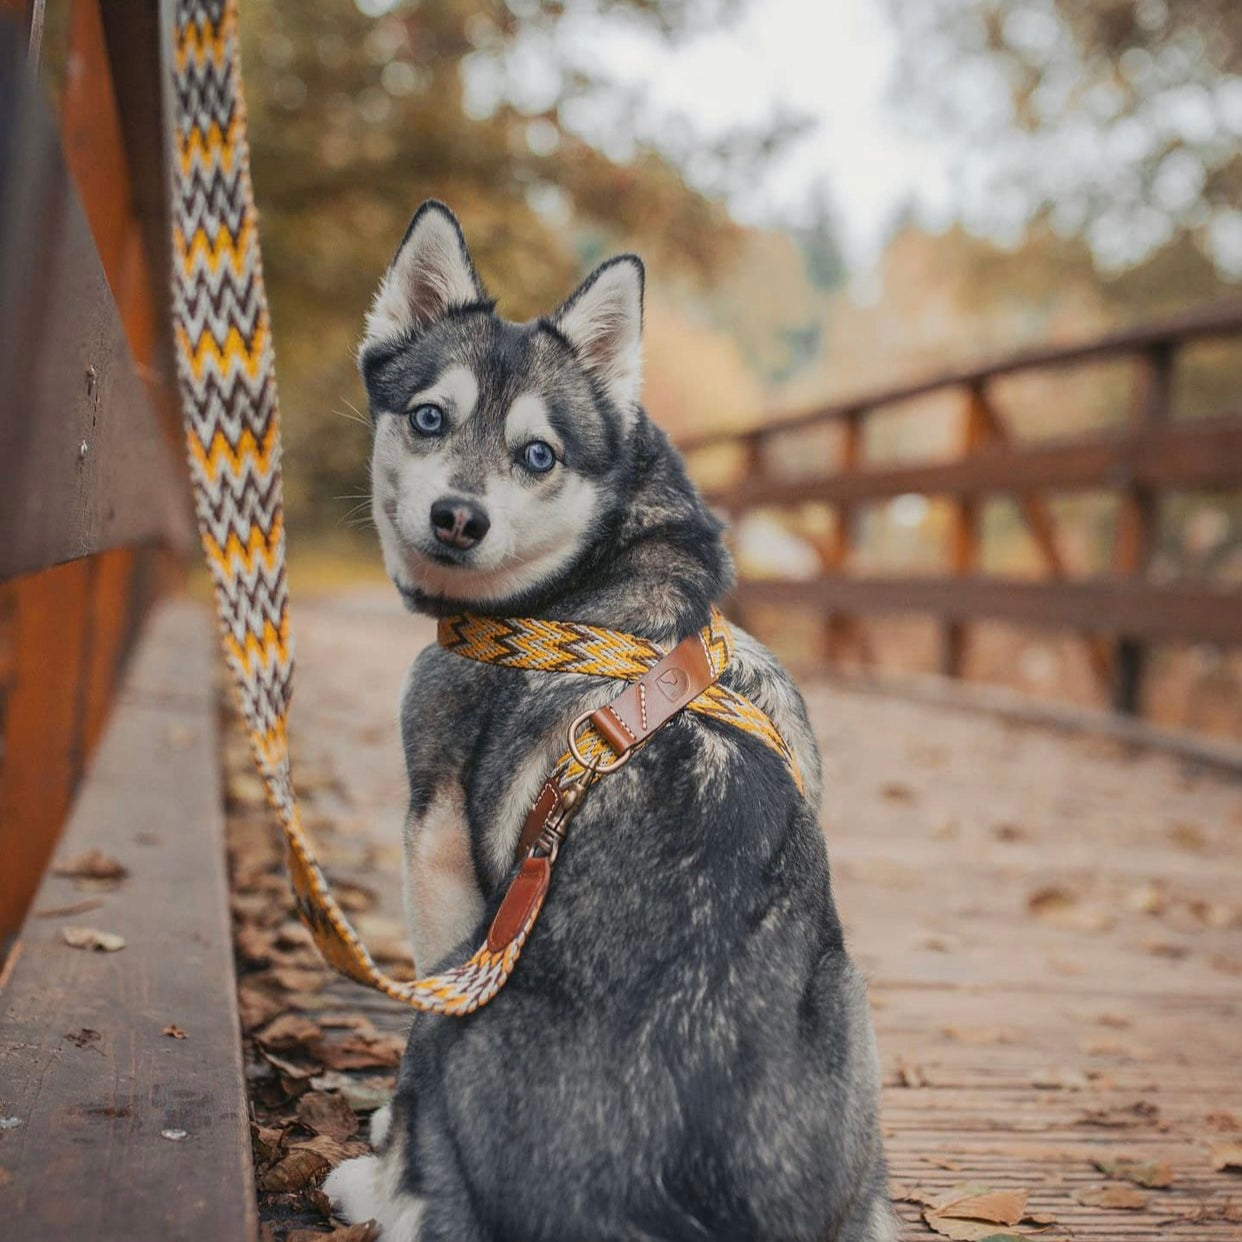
[427,420]
[539,457]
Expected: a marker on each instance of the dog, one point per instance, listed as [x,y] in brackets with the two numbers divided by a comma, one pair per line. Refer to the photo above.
[685,1050]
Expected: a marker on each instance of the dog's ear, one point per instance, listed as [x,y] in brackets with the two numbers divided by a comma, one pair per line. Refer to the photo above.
[430,274]
[603,320]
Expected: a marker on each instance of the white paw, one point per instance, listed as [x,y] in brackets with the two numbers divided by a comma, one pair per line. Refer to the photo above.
[353,1187]
[381,1123]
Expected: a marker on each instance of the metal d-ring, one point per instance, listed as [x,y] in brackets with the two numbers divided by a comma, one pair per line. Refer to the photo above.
[593,765]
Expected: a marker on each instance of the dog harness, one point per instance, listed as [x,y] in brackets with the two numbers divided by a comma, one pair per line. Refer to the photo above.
[227,377]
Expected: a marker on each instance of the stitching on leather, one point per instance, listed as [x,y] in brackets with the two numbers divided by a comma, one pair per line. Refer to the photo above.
[622,722]
[642,705]
[708,655]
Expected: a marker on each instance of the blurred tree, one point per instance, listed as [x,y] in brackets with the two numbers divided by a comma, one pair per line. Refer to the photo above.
[360,109]
[1121,116]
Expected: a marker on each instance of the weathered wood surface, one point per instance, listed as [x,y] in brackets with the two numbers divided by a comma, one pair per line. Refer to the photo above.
[1035,1028]
[94,1083]
[84,464]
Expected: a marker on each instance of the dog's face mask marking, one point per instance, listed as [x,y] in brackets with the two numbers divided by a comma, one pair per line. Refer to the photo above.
[495,443]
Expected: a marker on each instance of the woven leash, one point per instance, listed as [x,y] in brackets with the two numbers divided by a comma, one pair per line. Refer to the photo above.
[228,386]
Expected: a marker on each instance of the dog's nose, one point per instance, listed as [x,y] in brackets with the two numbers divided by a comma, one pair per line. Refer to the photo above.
[459,523]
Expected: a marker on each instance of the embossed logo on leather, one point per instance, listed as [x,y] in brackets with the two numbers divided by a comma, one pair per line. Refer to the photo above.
[673,684]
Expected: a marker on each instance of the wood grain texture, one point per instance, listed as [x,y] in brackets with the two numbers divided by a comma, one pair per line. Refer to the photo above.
[67,376]
[84,1063]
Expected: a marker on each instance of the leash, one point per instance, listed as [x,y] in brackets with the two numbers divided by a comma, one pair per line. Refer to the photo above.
[226,371]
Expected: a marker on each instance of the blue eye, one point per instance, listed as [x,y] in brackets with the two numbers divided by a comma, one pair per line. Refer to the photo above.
[539,457]
[427,420]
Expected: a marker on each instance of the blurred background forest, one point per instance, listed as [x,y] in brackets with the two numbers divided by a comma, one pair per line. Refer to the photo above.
[830,197]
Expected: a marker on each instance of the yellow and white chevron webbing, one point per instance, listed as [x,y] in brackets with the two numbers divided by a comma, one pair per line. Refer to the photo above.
[227,376]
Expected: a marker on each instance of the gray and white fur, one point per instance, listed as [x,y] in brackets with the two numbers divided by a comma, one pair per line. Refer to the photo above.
[684,1051]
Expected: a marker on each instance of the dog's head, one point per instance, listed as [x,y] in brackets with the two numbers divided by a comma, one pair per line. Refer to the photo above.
[497,444]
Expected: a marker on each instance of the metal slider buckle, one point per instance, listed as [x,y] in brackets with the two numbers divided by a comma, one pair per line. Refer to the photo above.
[593,765]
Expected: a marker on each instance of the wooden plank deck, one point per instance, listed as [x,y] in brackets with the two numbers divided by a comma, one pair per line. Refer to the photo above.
[115,1130]
[1052,926]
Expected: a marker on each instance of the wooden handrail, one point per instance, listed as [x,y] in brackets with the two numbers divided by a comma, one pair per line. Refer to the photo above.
[1221,320]
[1152,452]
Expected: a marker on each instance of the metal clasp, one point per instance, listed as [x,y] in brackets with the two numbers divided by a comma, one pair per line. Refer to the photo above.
[593,765]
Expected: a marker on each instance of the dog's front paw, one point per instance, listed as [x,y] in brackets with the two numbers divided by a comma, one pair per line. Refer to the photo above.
[353,1188]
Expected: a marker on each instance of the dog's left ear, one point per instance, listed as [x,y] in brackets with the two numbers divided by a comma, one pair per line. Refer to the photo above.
[603,320]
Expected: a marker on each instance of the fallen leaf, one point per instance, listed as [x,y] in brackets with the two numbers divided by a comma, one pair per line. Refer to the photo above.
[299,1168]
[996,1207]
[1157,946]
[980,1034]
[1146,899]
[255,1007]
[911,1194]
[1227,1157]
[91,865]
[910,1075]
[1120,1117]
[175,1032]
[367,1231]
[266,1141]
[364,1095]
[92,938]
[329,1114]
[895,791]
[1223,1121]
[1056,1079]
[941,1162]
[1155,1176]
[287,1032]
[295,1070]
[360,1050]
[1112,1195]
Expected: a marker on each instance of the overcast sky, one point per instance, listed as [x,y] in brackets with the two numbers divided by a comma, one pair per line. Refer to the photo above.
[831,60]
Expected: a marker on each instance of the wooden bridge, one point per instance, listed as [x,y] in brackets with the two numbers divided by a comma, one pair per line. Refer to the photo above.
[1050,917]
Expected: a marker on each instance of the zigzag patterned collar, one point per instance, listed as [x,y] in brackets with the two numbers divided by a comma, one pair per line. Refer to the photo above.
[571,647]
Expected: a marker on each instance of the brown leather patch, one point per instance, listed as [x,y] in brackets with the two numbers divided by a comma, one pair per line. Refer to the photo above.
[524,895]
[547,802]
[640,709]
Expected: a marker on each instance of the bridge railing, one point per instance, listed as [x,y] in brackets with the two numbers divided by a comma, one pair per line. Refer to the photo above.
[92,486]
[1118,613]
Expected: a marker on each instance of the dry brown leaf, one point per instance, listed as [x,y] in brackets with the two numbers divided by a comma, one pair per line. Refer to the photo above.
[980,1035]
[328,1114]
[302,1166]
[1112,1195]
[911,1194]
[176,1032]
[1120,1117]
[1227,1157]
[92,938]
[1054,1078]
[896,791]
[942,1162]
[1223,1121]
[1050,899]
[298,1071]
[288,1031]
[361,1050]
[997,1207]
[266,1141]
[910,1075]
[364,1095]
[255,1007]
[90,865]
[367,1231]
[1153,1175]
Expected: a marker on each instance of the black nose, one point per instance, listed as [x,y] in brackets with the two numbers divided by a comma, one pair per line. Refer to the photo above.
[459,523]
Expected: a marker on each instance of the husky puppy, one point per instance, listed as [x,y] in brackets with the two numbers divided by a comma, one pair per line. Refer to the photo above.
[684,1051]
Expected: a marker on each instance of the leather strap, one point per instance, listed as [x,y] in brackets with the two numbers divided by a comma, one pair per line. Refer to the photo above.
[628,721]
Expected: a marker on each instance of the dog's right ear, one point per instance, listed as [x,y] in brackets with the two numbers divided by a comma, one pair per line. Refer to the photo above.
[431,273]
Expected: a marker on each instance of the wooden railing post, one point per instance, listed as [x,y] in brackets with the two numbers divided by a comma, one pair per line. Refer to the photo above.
[1138,515]
[964,531]
[834,555]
